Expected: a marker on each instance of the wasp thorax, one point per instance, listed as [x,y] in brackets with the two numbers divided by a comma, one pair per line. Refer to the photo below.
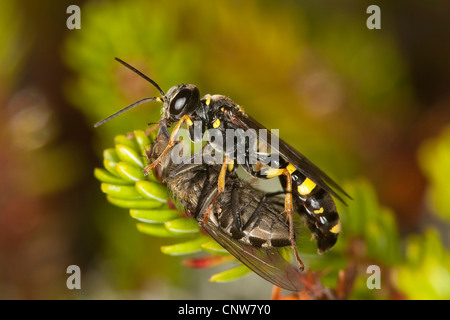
[181,100]
[219,101]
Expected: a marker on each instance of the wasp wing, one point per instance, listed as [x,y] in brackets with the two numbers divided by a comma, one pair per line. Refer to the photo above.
[266,262]
[299,161]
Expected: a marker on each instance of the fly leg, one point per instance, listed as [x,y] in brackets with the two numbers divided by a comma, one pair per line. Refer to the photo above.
[236,211]
[256,213]
[270,172]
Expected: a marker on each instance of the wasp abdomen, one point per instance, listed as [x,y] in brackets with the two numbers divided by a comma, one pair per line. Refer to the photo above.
[316,206]
[319,211]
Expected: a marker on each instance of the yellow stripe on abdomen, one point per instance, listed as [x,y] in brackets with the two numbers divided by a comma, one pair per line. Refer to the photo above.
[336,228]
[306,187]
[290,167]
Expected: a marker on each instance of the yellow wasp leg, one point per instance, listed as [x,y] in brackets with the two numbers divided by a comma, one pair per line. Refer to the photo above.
[227,164]
[289,209]
[288,206]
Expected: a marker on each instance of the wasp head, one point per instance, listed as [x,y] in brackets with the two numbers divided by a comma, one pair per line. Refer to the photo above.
[180,100]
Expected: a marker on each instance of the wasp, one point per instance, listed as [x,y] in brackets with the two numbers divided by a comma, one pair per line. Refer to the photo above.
[243,220]
[306,188]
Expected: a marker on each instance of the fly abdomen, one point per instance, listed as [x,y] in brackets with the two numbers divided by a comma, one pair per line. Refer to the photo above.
[251,217]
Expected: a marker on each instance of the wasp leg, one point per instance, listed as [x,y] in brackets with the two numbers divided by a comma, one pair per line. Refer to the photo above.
[289,209]
[223,175]
[171,143]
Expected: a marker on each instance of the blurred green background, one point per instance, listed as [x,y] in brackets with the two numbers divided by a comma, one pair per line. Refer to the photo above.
[370,107]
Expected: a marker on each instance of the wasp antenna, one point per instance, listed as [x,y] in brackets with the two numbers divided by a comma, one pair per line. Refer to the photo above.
[126,109]
[142,75]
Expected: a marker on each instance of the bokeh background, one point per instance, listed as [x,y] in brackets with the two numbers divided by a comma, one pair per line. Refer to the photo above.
[365,105]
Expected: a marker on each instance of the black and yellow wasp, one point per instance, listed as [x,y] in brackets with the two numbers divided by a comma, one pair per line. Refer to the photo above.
[306,189]
[242,219]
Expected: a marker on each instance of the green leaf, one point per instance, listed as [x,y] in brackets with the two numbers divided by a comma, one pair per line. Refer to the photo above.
[129,172]
[110,165]
[105,176]
[124,140]
[152,190]
[434,159]
[157,230]
[391,253]
[154,216]
[142,140]
[182,225]
[230,275]
[213,247]
[133,203]
[188,247]
[364,218]
[111,155]
[120,191]
[128,154]
[426,273]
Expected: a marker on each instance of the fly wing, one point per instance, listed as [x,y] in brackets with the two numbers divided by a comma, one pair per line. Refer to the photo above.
[266,262]
[299,161]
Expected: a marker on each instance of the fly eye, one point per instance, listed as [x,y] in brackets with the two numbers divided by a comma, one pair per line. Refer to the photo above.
[184,102]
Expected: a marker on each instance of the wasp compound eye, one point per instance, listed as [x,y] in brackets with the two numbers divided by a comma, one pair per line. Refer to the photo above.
[178,103]
[184,102]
